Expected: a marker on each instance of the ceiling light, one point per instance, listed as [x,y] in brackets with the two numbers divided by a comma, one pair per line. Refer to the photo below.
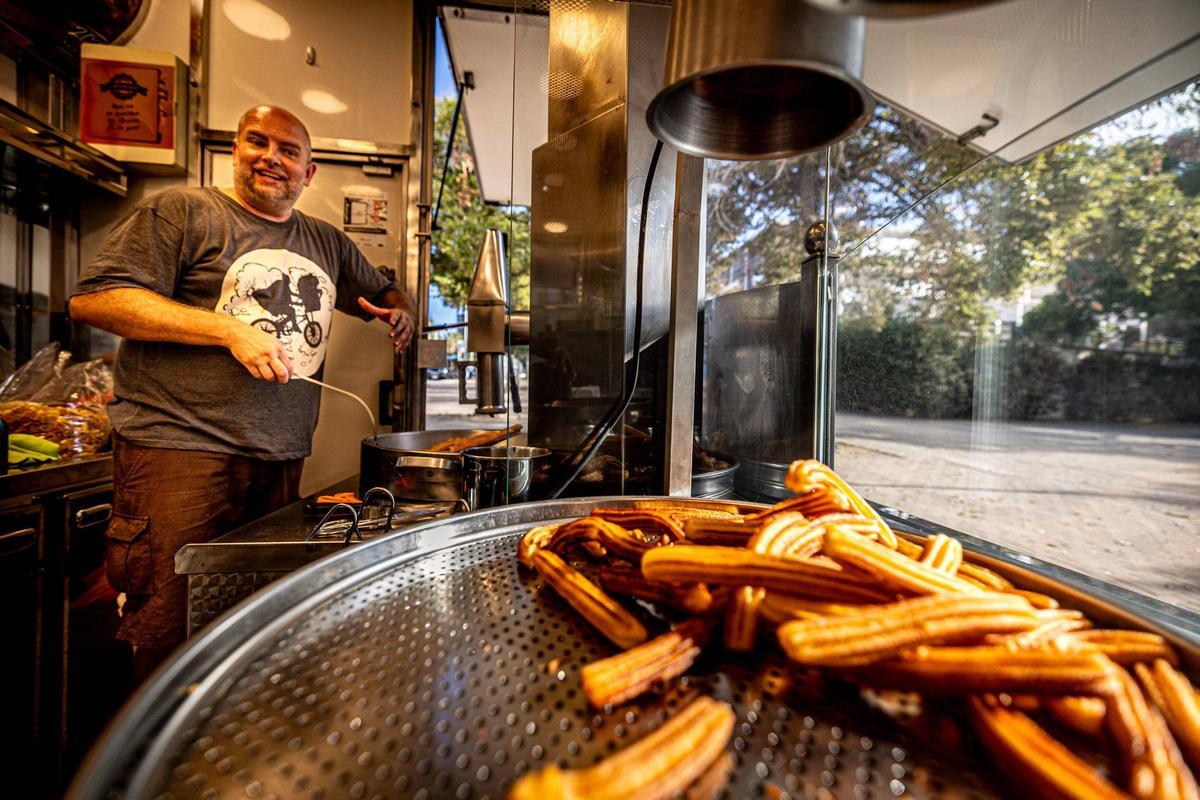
[555,226]
[257,19]
[322,101]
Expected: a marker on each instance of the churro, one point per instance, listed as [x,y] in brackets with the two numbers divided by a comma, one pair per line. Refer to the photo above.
[626,675]
[604,613]
[1084,715]
[812,504]
[1154,767]
[741,618]
[1047,631]
[656,767]
[533,540]
[942,553]
[1174,696]
[957,670]
[690,508]
[1021,746]
[984,577]
[810,475]
[694,598]
[1036,599]
[784,534]
[738,567]
[879,632]
[483,439]
[646,520]
[778,608]
[892,569]
[615,539]
[909,548]
[723,531]
[1123,647]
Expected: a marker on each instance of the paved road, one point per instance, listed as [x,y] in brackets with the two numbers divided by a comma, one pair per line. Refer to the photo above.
[443,411]
[1121,503]
[1118,502]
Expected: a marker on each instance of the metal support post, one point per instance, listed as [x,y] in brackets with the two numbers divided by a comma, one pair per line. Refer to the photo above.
[687,278]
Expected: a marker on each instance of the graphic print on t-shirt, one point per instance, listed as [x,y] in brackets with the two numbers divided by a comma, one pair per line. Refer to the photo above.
[285,294]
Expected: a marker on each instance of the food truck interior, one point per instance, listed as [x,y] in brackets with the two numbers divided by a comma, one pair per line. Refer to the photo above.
[657,249]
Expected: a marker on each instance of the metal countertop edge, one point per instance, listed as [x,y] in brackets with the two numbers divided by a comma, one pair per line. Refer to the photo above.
[187,678]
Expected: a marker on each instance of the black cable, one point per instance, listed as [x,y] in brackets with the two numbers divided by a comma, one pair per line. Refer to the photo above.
[617,411]
[468,82]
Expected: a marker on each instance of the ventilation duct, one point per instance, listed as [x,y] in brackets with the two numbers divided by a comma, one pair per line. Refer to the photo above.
[773,81]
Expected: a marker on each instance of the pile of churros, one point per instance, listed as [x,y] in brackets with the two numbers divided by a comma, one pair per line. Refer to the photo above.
[483,439]
[824,576]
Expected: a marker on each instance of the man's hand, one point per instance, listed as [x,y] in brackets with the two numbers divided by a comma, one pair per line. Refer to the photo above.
[259,352]
[398,319]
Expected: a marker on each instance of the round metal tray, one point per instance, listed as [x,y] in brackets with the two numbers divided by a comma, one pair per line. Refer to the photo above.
[448,671]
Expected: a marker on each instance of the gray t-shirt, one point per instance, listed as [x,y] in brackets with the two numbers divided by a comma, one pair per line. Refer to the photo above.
[200,248]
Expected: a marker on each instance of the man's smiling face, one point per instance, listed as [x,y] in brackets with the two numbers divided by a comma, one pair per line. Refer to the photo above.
[272,161]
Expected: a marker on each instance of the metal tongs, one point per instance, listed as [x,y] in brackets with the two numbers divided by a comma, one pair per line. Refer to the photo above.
[371,517]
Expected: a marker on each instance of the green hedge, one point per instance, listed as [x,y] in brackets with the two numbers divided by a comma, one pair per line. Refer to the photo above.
[926,370]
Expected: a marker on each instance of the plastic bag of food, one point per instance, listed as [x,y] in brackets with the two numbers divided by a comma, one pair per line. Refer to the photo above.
[33,374]
[60,402]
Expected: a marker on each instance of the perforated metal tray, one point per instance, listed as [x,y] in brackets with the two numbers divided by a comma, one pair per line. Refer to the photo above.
[449,671]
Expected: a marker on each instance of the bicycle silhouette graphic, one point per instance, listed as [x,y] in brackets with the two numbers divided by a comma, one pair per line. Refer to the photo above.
[282,304]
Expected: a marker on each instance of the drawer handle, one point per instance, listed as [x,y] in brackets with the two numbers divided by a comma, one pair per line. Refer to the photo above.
[96,515]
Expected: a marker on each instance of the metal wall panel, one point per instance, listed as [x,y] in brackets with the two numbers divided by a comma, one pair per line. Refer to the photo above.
[577,286]
[759,366]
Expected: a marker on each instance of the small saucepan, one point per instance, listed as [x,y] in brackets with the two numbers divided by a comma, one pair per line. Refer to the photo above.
[403,464]
[502,475]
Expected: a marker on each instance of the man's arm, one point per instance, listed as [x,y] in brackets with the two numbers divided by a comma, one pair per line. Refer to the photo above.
[398,312]
[148,316]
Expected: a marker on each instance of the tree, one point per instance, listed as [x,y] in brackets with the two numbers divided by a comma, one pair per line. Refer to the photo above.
[1110,218]
[464,218]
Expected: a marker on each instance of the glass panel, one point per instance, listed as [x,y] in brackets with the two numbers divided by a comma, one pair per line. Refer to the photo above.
[8,260]
[759,328]
[1018,353]
[758,212]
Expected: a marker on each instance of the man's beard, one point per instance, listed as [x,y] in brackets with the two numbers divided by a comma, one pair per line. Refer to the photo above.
[277,203]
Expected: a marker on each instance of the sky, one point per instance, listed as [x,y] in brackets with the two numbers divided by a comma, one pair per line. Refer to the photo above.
[443,86]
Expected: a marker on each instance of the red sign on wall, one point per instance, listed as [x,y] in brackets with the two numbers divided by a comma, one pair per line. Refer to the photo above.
[127,103]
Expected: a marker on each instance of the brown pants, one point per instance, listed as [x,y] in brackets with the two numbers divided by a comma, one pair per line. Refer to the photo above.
[164,499]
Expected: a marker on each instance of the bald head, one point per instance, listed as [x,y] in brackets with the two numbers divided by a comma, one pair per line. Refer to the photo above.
[277,114]
[272,161]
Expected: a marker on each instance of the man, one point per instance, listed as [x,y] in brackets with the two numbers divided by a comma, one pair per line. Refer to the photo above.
[204,285]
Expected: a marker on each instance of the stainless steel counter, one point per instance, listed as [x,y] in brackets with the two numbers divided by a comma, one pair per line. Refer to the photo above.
[223,572]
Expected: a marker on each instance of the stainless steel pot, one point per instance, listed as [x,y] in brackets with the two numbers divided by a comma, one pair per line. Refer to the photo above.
[717,484]
[497,476]
[403,464]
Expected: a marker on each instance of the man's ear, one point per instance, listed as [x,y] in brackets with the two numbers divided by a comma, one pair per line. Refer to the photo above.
[308,173]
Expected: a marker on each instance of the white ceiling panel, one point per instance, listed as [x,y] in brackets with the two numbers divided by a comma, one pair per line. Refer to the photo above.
[508,55]
[1026,61]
